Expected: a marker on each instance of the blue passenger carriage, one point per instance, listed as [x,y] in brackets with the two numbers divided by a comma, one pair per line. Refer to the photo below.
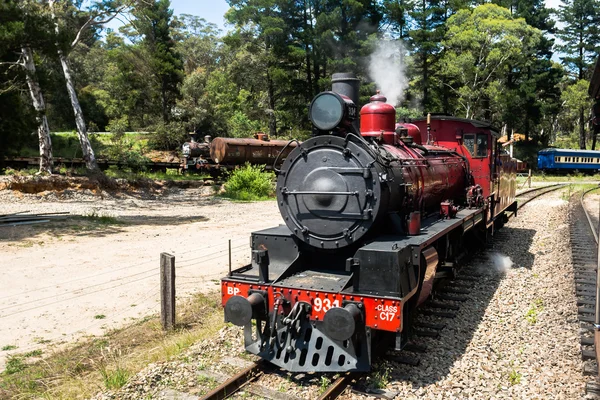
[568,160]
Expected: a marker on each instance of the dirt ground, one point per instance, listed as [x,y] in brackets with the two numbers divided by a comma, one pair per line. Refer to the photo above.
[65,280]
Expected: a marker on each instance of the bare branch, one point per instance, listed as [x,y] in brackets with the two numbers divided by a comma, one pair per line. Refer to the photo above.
[20,62]
[93,22]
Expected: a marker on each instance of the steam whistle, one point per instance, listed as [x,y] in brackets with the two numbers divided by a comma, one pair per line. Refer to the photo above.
[428,128]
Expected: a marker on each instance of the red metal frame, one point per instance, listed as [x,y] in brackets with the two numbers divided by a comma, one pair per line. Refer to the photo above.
[380,312]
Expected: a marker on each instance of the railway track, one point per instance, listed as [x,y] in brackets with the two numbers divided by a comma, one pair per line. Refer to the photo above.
[584,245]
[527,195]
[33,162]
[244,380]
[444,304]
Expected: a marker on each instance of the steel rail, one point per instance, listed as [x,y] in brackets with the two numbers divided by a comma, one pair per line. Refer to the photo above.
[236,382]
[587,214]
[550,188]
[597,309]
[337,387]
[529,190]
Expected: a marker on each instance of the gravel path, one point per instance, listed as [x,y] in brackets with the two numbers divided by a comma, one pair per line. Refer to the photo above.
[69,279]
[517,338]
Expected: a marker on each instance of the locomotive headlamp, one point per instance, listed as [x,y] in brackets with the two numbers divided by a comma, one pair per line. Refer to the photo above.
[329,109]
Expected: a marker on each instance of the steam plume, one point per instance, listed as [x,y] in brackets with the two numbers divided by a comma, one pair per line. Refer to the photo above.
[501,262]
[387,69]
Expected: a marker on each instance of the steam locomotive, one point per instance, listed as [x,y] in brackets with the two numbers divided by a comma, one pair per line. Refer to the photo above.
[375,211]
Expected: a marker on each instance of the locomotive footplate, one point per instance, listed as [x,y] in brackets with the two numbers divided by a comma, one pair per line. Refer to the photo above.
[318,280]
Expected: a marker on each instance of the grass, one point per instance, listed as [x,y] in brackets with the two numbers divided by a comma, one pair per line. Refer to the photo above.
[99,316]
[14,364]
[576,188]
[380,378]
[9,347]
[324,384]
[574,177]
[66,144]
[514,377]
[101,219]
[532,314]
[107,362]
[33,353]
[171,174]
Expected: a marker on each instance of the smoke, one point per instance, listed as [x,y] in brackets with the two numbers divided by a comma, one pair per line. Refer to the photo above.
[501,263]
[387,69]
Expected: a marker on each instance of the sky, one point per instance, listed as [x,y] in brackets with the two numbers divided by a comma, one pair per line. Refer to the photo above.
[213,10]
[210,10]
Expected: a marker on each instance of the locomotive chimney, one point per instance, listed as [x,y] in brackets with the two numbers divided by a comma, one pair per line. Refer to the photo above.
[347,84]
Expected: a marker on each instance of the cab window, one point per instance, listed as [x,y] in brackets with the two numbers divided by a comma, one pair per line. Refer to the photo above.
[476,144]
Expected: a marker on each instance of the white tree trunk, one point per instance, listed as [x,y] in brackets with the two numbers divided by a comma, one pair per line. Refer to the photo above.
[84,141]
[40,107]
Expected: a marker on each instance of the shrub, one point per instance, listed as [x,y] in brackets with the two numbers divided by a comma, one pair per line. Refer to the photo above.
[249,183]
[133,160]
[117,127]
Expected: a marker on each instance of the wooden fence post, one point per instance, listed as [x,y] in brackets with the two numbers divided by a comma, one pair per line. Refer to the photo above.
[529,178]
[167,290]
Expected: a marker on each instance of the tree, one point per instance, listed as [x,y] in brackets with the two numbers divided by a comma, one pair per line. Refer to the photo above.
[154,22]
[480,46]
[27,25]
[17,117]
[99,13]
[580,36]
[574,99]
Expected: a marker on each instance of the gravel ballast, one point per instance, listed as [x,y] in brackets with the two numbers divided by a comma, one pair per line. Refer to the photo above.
[516,338]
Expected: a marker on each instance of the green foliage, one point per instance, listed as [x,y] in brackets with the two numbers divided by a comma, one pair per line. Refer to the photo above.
[173,75]
[239,125]
[574,98]
[380,378]
[101,219]
[33,353]
[514,377]
[14,364]
[532,314]
[579,34]
[117,127]
[8,347]
[114,379]
[249,183]
[324,384]
[481,45]
[167,136]
[154,23]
